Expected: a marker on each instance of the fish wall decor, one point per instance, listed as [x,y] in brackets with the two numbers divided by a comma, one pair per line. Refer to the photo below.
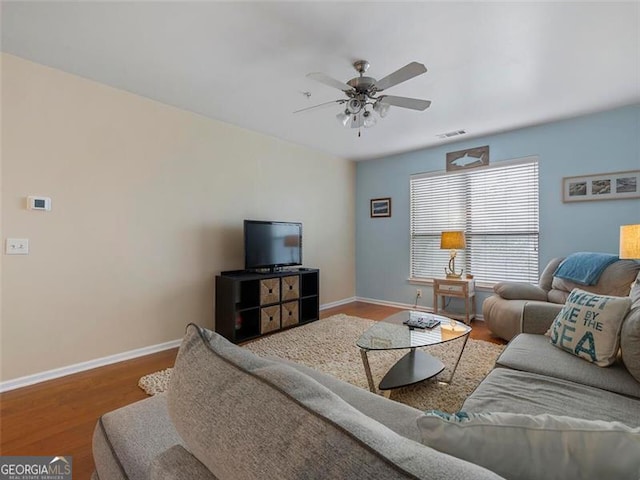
[470,158]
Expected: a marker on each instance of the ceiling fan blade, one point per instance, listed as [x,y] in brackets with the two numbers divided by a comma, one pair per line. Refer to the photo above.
[329,81]
[325,104]
[402,75]
[405,102]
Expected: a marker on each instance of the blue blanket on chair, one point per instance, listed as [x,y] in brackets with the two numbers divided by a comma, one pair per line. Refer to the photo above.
[584,268]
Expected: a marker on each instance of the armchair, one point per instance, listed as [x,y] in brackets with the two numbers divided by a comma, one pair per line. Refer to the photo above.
[503,311]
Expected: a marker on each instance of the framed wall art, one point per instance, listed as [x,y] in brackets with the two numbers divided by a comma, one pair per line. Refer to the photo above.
[380,207]
[601,186]
[466,159]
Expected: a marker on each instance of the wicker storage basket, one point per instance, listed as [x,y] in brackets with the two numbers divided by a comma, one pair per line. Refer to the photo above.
[290,314]
[290,287]
[269,319]
[269,291]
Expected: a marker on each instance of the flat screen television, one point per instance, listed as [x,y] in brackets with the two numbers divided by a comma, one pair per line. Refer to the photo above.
[272,244]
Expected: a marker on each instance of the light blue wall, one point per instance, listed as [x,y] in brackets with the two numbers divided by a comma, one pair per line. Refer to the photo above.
[597,143]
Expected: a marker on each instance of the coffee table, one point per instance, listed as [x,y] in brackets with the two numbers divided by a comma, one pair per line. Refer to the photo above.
[417,365]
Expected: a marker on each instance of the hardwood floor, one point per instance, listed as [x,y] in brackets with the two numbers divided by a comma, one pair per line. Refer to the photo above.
[58,417]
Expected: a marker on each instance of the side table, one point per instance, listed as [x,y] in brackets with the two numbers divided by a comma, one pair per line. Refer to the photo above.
[458,288]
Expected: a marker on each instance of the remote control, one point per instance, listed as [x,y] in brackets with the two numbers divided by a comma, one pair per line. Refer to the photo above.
[422,322]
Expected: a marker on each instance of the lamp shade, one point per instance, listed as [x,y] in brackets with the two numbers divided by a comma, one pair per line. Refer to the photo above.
[369,119]
[381,108]
[630,241]
[344,118]
[452,240]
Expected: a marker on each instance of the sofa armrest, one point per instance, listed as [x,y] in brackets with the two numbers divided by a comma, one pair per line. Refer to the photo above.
[176,463]
[520,291]
[537,317]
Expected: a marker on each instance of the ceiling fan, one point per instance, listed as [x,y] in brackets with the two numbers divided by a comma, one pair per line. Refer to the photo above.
[363,94]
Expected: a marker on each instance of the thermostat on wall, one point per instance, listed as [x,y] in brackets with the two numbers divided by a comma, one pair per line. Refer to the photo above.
[38,203]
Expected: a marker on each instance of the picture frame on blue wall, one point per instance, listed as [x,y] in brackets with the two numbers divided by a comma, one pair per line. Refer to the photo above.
[601,186]
[380,207]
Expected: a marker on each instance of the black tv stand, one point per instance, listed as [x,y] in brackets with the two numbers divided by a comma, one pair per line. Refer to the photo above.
[250,304]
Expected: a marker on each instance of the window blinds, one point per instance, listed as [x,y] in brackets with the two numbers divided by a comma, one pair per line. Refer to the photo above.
[496,207]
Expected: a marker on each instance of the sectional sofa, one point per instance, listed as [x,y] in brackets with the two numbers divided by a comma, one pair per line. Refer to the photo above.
[229,414]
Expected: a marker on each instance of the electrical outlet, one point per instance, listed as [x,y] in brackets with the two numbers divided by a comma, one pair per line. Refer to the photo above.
[418,293]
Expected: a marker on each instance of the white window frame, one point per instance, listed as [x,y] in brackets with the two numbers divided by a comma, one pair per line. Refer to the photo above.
[458,218]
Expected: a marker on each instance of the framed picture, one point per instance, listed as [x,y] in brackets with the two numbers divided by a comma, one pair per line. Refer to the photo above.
[380,207]
[601,186]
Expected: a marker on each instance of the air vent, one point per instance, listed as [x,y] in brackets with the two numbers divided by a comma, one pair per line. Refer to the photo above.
[455,133]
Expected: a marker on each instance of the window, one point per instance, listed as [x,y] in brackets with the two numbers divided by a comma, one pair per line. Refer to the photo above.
[496,207]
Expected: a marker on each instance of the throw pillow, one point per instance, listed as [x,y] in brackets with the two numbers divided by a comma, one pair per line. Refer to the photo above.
[630,342]
[630,335]
[589,325]
[536,446]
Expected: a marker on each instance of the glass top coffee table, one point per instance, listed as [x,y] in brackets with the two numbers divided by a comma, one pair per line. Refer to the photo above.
[417,365]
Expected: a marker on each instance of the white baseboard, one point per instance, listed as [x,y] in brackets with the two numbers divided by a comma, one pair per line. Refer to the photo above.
[81,367]
[337,303]
[101,362]
[408,306]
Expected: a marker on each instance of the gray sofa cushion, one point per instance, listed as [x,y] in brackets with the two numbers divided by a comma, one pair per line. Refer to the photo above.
[397,416]
[537,447]
[630,335]
[178,464]
[630,342]
[537,317]
[127,440]
[513,391]
[246,417]
[534,353]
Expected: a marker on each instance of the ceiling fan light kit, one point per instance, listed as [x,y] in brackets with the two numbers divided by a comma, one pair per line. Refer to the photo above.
[381,108]
[362,94]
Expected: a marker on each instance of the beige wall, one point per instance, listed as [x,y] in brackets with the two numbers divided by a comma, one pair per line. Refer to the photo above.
[148,202]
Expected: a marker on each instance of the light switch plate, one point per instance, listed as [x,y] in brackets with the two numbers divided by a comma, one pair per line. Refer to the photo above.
[17,246]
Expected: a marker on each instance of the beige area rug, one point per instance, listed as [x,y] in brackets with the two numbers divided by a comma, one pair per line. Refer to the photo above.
[329,345]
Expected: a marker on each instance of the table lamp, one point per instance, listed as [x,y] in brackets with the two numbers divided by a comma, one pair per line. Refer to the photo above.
[452,240]
[630,242]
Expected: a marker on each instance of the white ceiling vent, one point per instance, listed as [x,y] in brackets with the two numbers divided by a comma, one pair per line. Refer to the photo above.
[455,133]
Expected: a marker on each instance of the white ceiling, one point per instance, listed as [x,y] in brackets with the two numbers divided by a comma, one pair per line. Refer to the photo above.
[492,66]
